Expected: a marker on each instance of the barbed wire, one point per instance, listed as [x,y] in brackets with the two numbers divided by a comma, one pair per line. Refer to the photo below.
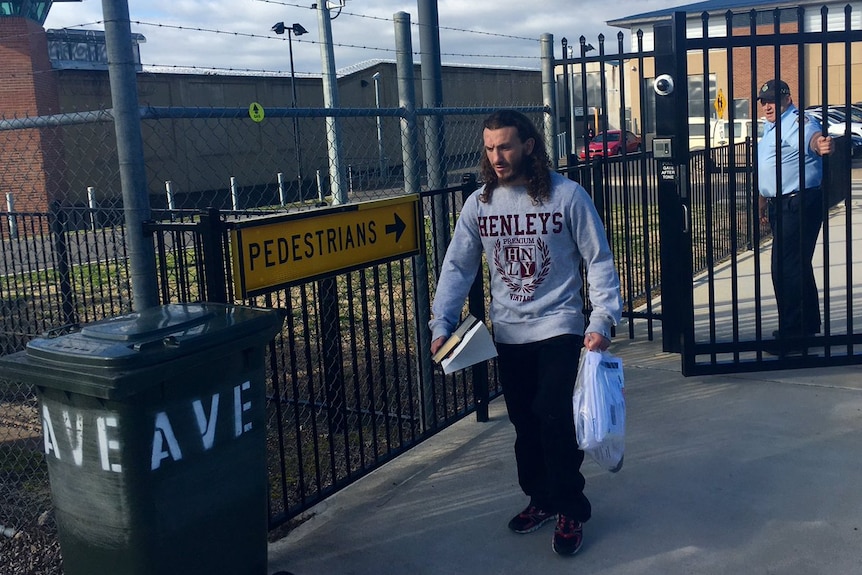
[382,19]
[251,35]
[309,41]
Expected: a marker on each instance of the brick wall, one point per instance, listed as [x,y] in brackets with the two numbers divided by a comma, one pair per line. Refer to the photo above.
[766,66]
[34,157]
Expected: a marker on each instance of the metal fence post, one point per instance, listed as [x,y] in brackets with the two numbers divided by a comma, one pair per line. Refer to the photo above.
[407,102]
[673,187]
[476,304]
[549,96]
[130,152]
[333,356]
[214,261]
[61,249]
[330,100]
[409,153]
[435,139]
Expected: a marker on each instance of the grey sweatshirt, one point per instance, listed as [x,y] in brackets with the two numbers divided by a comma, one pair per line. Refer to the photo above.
[534,253]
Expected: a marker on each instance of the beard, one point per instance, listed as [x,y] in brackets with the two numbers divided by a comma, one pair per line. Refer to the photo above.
[516,172]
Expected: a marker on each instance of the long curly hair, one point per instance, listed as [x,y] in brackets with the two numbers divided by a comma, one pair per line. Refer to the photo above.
[536,166]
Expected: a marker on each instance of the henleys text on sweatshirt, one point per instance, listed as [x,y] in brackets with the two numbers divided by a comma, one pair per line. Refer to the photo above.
[534,253]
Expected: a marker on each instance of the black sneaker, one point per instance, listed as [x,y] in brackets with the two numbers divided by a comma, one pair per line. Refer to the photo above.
[529,520]
[568,535]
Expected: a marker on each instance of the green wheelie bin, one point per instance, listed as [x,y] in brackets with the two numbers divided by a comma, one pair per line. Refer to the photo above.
[154,428]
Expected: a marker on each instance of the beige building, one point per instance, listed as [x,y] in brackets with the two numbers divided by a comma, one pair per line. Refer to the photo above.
[830,69]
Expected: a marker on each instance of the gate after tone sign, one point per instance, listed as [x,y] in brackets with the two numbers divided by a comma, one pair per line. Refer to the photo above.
[277,251]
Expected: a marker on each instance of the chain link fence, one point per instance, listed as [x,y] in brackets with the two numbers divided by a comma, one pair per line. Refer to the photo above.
[64,261]
[198,158]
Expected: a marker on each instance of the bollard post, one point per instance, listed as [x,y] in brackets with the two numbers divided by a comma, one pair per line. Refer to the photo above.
[234,194]
[91,201]
[280,177]
[320,200]
[169,193]
[13,221]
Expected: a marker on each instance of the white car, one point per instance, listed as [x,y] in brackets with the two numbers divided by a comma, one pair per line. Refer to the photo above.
[837,124]
[742,129]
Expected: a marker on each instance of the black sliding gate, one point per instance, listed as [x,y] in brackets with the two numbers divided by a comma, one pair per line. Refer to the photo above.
[724,320]
[691,97]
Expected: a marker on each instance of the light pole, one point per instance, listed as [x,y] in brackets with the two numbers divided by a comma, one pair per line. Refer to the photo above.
[381,158]
[298,30]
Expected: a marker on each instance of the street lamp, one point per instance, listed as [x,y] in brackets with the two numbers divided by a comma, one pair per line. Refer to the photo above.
[381,158]
[298,30]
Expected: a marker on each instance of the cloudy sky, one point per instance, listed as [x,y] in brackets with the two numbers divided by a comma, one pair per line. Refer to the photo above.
[236,34]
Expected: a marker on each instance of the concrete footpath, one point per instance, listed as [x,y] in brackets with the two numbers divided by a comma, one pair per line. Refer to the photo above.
[730,474]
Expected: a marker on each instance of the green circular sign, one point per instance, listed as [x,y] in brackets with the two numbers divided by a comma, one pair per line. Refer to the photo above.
[255,112]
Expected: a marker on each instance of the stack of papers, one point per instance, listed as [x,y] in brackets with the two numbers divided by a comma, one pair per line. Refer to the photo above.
[469,344]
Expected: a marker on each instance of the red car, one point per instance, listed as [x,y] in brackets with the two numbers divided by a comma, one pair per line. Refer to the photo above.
[615,143]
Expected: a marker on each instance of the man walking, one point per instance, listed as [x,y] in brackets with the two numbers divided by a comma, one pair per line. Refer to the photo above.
[537,229]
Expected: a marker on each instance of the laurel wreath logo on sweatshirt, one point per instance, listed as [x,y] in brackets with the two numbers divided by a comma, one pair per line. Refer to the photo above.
[522,266]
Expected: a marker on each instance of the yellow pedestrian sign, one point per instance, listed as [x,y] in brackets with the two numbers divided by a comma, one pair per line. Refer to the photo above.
[282,250]
[255,112]
[720,104]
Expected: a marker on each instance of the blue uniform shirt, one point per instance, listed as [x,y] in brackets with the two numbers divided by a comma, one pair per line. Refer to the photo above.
[767,154]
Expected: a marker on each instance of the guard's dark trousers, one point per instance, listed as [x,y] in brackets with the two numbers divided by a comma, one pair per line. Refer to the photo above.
[801,216]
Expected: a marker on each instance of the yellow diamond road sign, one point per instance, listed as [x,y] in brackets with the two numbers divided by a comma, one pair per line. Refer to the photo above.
[720,103]
[278,251]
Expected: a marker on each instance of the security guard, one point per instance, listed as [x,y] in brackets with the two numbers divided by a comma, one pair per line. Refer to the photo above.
[794,209]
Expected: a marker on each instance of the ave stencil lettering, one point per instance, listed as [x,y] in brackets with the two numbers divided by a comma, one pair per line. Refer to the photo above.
[69,432]
[74,435]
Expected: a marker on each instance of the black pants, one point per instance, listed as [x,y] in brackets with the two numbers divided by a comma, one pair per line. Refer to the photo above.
[538,380]
[792,270]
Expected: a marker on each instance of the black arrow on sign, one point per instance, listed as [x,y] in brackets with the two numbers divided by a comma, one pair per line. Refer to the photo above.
[397,228]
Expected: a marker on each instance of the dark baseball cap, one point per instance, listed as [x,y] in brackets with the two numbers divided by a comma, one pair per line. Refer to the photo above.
[768,91]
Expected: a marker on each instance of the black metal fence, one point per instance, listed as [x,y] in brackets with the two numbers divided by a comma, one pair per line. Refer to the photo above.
[345,390]
[345,393]
[733,324]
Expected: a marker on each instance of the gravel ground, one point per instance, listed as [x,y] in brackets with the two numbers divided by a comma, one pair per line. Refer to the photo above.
[34,551]
[24,493]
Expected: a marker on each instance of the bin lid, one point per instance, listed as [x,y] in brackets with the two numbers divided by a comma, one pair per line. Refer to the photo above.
[102,354]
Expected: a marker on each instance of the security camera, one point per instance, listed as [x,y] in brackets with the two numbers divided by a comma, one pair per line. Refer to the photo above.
[663,85]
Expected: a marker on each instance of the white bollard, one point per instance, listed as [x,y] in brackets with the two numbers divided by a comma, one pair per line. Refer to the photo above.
[169,192]
[234,194]
[91,201]
[319,187]
[281,188]
[13,222]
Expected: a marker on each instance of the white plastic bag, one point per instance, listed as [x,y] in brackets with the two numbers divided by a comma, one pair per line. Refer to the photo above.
[600,408]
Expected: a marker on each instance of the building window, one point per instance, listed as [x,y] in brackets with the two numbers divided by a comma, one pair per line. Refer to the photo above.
[35,10]
[696,92]
[763,18]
